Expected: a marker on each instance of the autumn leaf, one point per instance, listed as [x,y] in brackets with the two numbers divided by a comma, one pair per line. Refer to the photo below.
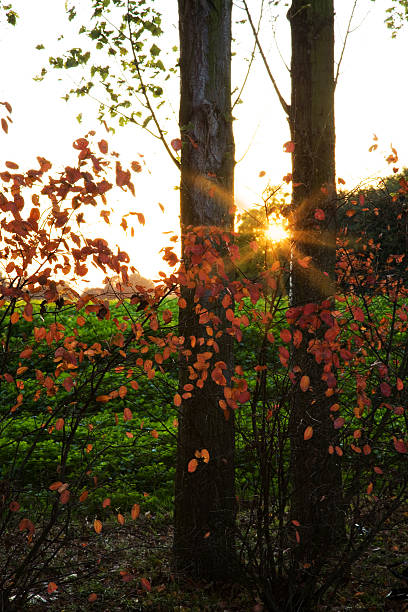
[192,465]
[176,144]
[92,597]
[319,214]
[304,262]
[308,433]
[52,587]
[121,519]
[97,525]
[145,584]
[59,424]
[400,445]
[304,383]
[103,147]
[106,502]
[177,399]
[135,511]
[4,125]
[285,335]
[289,146]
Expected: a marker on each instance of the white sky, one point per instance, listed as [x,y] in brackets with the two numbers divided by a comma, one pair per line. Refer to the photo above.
[371,98]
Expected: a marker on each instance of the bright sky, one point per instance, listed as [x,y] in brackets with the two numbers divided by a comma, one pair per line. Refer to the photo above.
[371,98]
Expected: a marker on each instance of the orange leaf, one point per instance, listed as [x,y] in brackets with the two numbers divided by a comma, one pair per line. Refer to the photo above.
[154,434]
[83,496]
[14,317]
[127,414]
[177,399]
[289,146]
[205,455]
[4,125]
[97,526]
[145,584]
[64,497]
[370,488]
[304,262]
[135,511]
[92,597]
[55,485]
[51,587]
[285,335]
[103,147]
[192,465]
[304,383]
[121,519]
[59,424]
[308,432]
[106,502]
[400,384]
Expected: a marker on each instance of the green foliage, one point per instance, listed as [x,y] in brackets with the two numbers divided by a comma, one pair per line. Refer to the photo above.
[118,33]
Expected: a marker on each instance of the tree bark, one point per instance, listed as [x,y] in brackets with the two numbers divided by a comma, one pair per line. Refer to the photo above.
[205,499]
[317,493]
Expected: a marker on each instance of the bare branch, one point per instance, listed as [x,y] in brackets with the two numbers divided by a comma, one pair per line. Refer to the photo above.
[146,97]
[344,43]
[284,104]
[250,62]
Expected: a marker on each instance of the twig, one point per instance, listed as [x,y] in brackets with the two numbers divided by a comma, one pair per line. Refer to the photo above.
[344,43]
[284,104]
[146,97]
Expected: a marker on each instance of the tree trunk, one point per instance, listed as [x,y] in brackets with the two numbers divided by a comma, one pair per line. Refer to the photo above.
[205,499]
[317,494]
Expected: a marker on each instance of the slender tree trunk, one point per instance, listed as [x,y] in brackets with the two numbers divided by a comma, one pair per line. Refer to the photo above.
[317,494]
[205,499]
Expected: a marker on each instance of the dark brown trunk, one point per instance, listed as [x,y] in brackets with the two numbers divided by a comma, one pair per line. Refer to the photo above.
[317,495]
[205,499]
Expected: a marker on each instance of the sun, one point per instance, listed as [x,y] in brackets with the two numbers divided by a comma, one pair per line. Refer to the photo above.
[277,229]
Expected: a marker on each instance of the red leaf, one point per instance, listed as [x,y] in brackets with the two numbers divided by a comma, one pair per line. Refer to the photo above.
[4,125]
[51,587]
[145,584]
[80,144]
[400,446]
[400,384]
[308,433]
[55,485]
[319,214]
[339,422]
[64,497]
[103,147]
[176,144]
[289,146]
[14,506]
[358,314]
[106,502]
[92,597]
[285,335]
[59,424]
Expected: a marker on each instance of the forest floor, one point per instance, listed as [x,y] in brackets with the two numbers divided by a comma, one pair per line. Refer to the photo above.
[128,569]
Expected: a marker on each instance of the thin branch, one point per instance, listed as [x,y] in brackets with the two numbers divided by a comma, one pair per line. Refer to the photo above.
[250,62]
[284,104]
[146,97]
[345,42]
